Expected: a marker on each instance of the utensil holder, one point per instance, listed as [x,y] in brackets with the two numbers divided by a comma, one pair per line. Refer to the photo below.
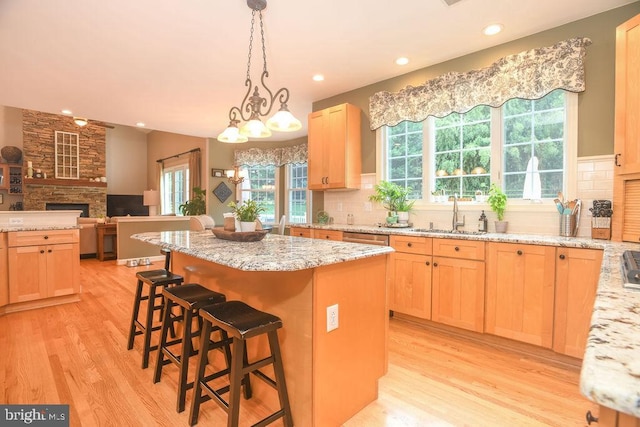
[568,225]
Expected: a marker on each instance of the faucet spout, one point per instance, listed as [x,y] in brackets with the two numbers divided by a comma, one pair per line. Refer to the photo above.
[454,222]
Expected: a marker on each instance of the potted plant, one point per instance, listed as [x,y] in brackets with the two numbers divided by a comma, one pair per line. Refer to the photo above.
[195,206]
[498,202]
[247,213]
[394,198]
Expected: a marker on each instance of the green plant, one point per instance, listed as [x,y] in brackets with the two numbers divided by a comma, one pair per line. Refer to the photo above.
[195,206]
[392,197]
[248,211]
[497,201]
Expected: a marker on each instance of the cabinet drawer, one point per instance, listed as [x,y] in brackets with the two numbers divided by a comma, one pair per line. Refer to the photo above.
[327,234]
[48,237]
[411,244]
[458,248]
[300,232]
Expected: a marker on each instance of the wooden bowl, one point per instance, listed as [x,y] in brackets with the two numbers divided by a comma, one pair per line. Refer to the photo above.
[239,236]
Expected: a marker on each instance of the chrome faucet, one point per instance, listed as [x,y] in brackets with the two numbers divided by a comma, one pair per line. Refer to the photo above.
[454,222]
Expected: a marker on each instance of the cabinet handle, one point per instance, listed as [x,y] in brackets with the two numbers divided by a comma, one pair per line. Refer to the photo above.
[427,263]
[456,249]
[590,418]
[41,251]
[561,256]
[435,264]
[49,251]
[616,160]
[519,252]
[409,244]
[46,237]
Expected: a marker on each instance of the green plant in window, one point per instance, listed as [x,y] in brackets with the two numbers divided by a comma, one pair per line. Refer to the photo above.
[497,201]
[247,211]
[195,206]
[392,197]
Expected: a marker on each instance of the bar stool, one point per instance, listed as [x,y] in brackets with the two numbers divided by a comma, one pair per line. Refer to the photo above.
[153,279]
[241,322]
[190,298]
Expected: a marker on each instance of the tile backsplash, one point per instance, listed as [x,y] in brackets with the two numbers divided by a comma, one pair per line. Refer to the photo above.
[595,181]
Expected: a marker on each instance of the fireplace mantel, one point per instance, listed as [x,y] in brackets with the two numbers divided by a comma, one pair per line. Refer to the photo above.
[64,182]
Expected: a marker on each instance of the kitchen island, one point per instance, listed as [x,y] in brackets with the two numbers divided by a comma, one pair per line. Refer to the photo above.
[330,375]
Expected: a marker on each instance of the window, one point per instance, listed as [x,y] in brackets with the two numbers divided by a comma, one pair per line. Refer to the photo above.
[522,147]
[260,184]
[175,190]
[67,161]
[297,202]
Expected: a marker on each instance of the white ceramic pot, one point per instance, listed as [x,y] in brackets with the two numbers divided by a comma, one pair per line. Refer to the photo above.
[501,226]
[247,226]
[403,217]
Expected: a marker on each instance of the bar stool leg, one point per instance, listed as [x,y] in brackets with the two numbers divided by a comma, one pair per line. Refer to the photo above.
[163,339]
[236,382]
[184,360]
[202,364]
[278,369]
[148,326]
[134,316]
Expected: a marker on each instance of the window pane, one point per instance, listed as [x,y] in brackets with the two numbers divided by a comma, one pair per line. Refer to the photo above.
[297,193]
[260,185]
[404,156]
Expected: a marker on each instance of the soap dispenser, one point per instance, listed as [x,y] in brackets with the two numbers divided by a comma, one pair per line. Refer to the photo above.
[482,222]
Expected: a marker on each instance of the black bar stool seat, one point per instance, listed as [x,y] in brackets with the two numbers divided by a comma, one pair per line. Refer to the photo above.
[190,298]
[152,279]
[241,321]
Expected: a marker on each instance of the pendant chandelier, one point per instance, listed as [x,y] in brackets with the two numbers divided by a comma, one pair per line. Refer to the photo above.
[254,106]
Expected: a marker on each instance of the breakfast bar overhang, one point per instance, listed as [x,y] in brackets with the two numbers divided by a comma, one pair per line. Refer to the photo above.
[330,375]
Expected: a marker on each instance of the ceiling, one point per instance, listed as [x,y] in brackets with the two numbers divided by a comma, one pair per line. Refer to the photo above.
[178,66]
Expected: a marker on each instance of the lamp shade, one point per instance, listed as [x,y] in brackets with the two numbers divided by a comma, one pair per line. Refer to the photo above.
[231,134]
[284,121]
[151,198]
[254,128]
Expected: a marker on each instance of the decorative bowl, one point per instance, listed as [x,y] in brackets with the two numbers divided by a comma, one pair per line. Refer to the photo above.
[11,154]
[239,236]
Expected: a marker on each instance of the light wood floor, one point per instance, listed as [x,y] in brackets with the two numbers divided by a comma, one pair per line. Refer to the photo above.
[76,354]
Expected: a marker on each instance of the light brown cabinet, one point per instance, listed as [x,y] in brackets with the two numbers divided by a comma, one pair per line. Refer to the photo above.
[520,292]
[458,283]
[410,276]
[4,277]
[300,232]
[319,233]
[577,274]
[11,178]
[43,264]
[334,144]
[626,184]
[611,418]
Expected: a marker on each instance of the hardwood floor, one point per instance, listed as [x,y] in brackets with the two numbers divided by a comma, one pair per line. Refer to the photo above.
[76,354]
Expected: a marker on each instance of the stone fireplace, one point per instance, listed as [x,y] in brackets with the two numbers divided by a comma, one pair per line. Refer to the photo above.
[84,207]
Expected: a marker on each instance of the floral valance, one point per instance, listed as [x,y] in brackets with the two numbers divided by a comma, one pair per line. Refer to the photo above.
[271,156]
[530,75]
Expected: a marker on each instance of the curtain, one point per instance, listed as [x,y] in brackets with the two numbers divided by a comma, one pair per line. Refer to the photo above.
[530,75]
[195,171]
[271,156]
[159,184]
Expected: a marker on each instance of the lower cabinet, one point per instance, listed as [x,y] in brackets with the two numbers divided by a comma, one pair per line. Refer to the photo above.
[300,232]
[457,296]
[410,276]
[4,276]
[611,418]
[48,269]
[520,292]
[577,274]
[319,233]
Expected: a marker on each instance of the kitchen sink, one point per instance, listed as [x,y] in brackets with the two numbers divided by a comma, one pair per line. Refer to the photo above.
[435,230]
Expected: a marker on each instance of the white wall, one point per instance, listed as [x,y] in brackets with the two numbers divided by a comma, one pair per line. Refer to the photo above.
[126,160]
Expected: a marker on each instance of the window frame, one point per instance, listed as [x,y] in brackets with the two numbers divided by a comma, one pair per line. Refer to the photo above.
[184,166]
[288,190]
[240,190]
[570,160]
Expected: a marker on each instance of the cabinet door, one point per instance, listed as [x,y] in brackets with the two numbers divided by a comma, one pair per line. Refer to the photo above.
[577,274]
[27,273]
[335,153]
[458,293]
[316,146]
[520,292]
[627,115]
[410,287]
[63,275]
[327,234]
[4,272]
[4,177]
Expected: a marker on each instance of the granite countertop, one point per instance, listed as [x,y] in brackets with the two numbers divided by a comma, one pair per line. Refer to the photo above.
[9,228]
[610,373]
[273,253]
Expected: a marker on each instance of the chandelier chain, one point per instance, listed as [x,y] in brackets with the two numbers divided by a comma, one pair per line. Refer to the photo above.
[264,51]
[253,20]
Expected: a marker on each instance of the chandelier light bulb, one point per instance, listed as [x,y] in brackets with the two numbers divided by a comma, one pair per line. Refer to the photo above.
[254,128]
[231,134]
[284,121]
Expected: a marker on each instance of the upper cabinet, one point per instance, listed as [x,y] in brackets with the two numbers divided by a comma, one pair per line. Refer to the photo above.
[626,184]
[627,133]
[335,148]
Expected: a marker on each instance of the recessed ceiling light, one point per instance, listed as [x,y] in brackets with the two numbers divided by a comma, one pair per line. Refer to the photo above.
[318,78]
[69,112]
[140,124]
[402,61]
[493,29]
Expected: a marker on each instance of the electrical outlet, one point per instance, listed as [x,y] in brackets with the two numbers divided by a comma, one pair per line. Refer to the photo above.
[332,317]
[339,206]
[367,206]
[16,221]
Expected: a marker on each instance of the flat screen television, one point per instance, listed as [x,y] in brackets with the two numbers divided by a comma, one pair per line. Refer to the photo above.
[126,204]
